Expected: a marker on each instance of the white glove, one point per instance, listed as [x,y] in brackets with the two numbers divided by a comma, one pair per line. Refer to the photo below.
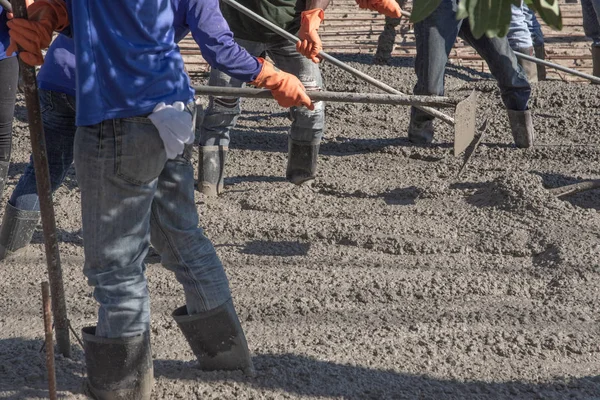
[174,125]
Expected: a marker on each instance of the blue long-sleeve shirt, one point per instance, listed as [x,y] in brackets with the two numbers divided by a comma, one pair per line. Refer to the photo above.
[123,59]
[4,38]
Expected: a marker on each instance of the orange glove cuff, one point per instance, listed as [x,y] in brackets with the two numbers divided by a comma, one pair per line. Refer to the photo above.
[311,19]
[51,12]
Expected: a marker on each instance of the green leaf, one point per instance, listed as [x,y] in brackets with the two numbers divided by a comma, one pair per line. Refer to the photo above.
[549,11]
[489,17]
[422,8]
[462,12]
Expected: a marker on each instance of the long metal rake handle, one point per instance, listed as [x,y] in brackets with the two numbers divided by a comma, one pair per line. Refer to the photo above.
[336,97]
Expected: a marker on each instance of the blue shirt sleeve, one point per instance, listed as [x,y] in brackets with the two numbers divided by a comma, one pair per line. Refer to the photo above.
[210,30]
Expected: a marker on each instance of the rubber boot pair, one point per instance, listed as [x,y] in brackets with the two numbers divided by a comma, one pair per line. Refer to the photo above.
[521,126]
[530,68]
[302,161]
[121,369]
[301,167]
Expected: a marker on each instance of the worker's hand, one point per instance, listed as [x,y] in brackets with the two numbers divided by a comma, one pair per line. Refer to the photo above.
[35,33]
[310,43]
[286,88]
[389,8]
[10,15]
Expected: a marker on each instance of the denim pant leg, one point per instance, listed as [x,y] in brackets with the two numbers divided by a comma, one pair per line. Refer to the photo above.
[118,163]
[514,87]
[58,117]
[435,36]
[535,29]
[518,34]
[222,112]
[591,20]
[181,243]
[307,126]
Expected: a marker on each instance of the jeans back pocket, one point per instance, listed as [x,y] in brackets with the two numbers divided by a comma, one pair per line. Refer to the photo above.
[140,152]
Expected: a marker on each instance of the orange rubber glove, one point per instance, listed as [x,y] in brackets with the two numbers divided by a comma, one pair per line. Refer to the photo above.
[10,15]
[35,33]
[310,43]
[286,88]
[389,8]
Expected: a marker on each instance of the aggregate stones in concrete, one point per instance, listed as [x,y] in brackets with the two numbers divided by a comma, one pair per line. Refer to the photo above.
[388,278]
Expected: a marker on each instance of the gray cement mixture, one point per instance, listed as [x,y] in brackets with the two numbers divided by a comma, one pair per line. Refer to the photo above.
[388,278]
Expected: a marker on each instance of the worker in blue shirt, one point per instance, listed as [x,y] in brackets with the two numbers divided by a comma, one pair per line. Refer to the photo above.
[134,115]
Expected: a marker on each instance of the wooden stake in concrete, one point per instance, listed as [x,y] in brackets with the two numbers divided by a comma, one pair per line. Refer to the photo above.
[49,341]
[42,174]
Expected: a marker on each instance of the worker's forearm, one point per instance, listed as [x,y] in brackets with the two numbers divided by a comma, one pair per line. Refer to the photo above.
[310,4]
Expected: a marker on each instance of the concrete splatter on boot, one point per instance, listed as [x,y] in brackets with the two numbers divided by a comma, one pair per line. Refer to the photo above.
[17,229]
[596,60]
[118,369]
[216,338]
[302,161]
[540,52]
[211,167]
[521,125]
[529,67]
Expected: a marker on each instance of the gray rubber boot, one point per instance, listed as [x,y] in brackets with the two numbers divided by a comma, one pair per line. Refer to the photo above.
[540,52]
[421,133]
[118,369]
[521,126]
[596,60]
[4,165]
[216,338]
[302,161]
[17,229]
[529,67]
[211,167]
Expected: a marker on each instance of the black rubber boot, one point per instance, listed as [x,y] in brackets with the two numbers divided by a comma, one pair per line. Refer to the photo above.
[302,161]
[521,126]
[118,369]
[421,133]
[596,60]
[17,229]
[216,338]
[540,52]
[4,165]
[529,67]
[211,166]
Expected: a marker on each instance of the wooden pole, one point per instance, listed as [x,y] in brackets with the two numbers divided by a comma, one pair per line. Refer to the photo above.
[42,175]
[49,341]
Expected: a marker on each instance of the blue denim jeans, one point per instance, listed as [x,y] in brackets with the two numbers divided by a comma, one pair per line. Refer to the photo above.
[222,113]
[591,20]
[524,30]
[435,36]
[132,196]
[58,117]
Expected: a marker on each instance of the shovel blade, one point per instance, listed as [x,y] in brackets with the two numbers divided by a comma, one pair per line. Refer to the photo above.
[464,126]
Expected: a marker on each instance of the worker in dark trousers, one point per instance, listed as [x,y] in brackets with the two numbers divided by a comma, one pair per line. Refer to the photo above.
[435,36]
